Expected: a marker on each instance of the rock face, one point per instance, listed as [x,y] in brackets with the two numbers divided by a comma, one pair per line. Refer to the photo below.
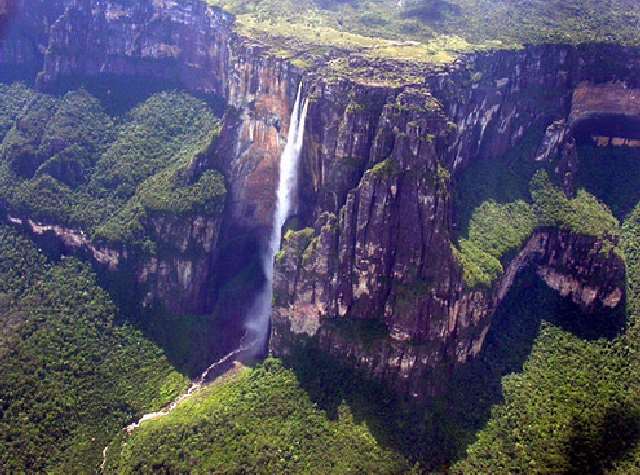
[179,277]
[379,169]
[415,365]
[379,180]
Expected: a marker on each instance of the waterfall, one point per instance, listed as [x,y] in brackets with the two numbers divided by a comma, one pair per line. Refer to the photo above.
[257,325]
[258,320]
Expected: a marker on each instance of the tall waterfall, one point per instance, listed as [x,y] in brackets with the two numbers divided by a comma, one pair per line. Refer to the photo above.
[258,320]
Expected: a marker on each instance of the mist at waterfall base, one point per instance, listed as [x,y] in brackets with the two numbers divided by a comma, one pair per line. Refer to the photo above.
[258,320]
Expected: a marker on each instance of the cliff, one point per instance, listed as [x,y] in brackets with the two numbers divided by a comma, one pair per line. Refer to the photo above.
[382,172]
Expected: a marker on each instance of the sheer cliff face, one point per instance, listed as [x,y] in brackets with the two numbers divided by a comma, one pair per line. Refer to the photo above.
[379,169]
[378,186]
[64,40]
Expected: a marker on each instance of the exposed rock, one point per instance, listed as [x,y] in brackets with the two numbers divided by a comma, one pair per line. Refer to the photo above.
[414,354]
[554,138]
[380,249]
[608,98]
[178,278]
[73,240]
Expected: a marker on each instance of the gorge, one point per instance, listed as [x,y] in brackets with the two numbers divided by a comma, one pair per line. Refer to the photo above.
[375,211]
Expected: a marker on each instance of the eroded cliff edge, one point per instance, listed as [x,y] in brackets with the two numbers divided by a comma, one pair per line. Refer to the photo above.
[381,167]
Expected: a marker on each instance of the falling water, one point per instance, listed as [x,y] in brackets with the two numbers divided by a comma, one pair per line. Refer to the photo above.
[258,320]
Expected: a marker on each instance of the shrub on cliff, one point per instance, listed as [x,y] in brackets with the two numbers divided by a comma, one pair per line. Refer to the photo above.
[583,214]
[494,231]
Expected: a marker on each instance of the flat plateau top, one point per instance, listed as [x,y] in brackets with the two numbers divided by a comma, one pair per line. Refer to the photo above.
[427,31]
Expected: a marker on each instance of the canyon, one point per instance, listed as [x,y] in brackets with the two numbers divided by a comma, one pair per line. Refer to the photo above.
[372,241]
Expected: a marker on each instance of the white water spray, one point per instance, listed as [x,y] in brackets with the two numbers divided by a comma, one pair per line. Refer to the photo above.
[260,314]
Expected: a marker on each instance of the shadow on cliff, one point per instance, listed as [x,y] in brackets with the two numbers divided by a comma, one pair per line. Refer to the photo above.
[438,432]
[190,342]
[193,342]
[119,94]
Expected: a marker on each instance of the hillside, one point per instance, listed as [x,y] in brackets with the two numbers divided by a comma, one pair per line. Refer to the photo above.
[72,375]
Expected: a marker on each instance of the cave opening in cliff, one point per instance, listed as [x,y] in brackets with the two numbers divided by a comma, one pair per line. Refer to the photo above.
[608,129]
[608,153]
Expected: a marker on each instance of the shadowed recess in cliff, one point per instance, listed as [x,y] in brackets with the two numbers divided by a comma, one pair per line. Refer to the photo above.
[438,432]
[611,173]
[120,93]
[258,319]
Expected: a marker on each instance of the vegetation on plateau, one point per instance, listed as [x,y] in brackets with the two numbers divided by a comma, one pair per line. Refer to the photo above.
[495,230]
[427,30]
[575,408]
